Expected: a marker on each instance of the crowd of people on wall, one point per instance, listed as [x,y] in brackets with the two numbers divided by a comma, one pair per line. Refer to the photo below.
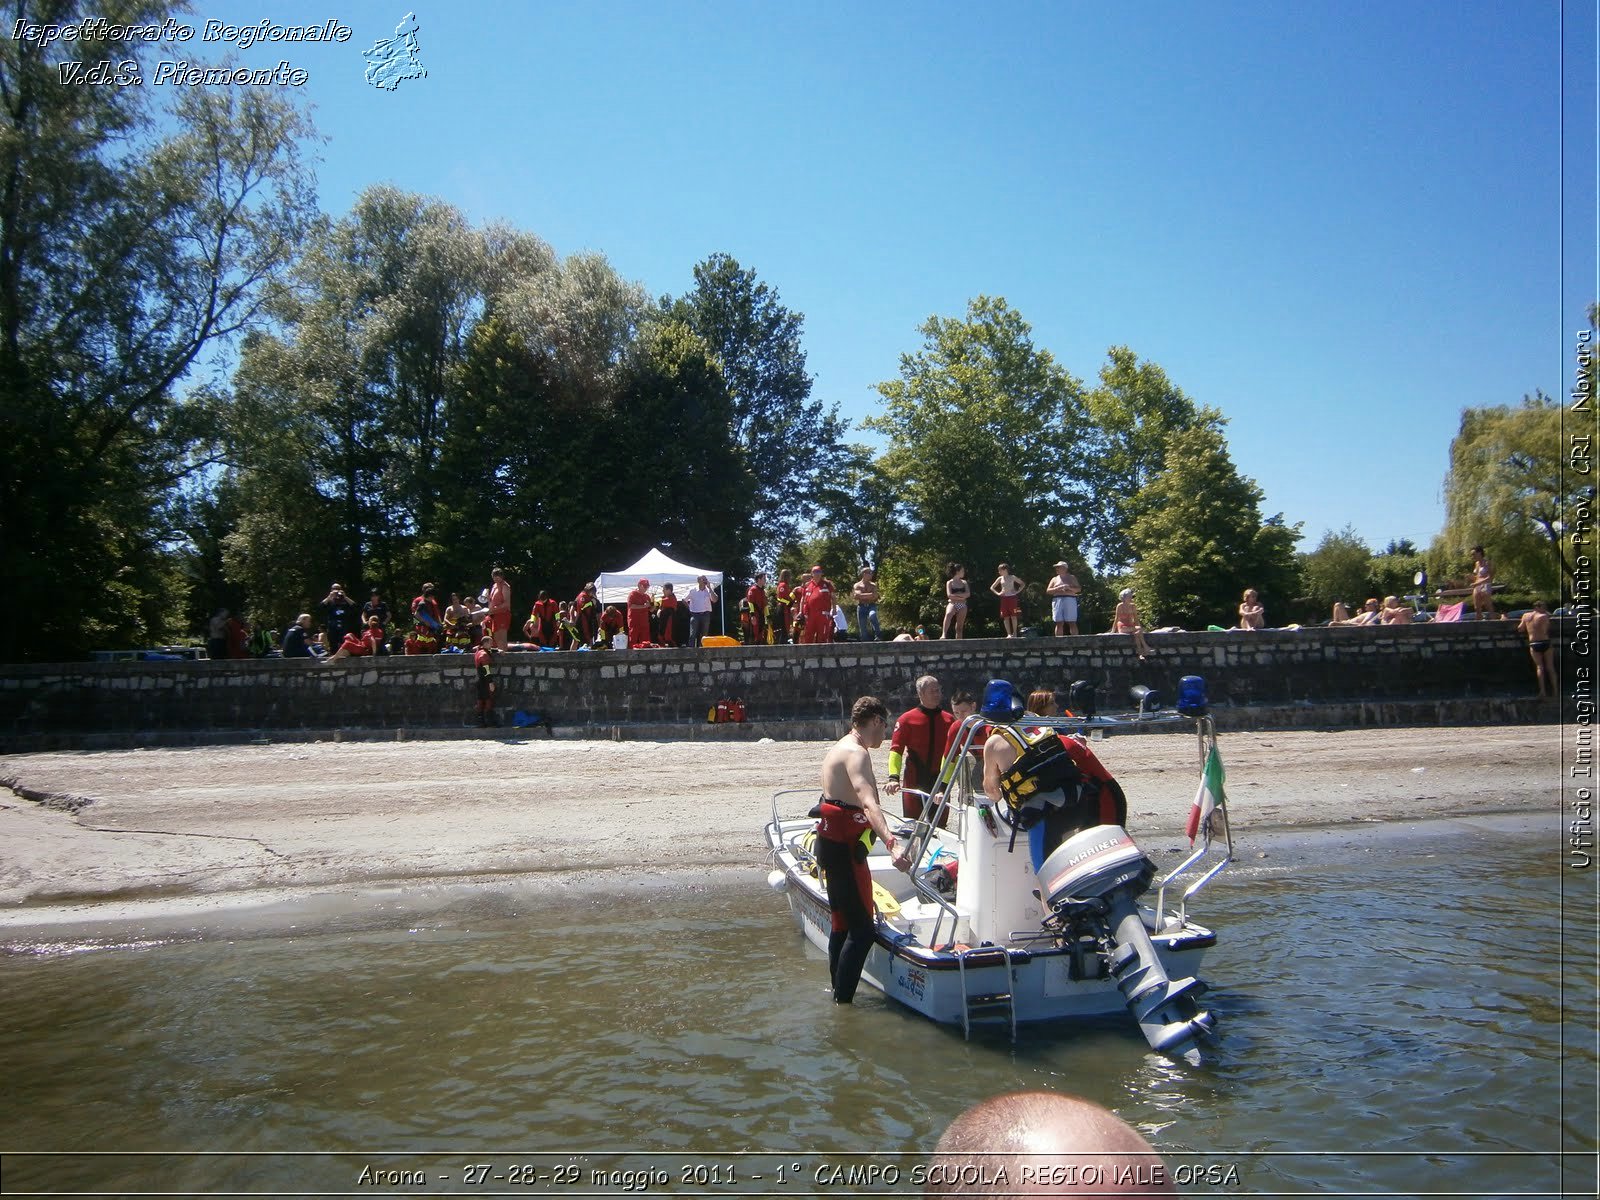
[806,611]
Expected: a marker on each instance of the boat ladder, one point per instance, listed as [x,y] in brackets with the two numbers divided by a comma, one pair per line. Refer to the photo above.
[987,1006]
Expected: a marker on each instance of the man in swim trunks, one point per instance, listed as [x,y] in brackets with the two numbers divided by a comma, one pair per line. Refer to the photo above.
[1009,588]
[848,810]
[497,625]
[1535,626]
[1063,590]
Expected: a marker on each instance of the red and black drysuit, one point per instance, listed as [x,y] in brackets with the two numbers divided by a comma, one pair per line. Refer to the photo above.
[915,752]
[543,620]
[586,616]
[841,851]
[756,598]
[483,660]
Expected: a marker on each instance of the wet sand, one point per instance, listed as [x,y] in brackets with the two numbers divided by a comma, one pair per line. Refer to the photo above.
[106,835]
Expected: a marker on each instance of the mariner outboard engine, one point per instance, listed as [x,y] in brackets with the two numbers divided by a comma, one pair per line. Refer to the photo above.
[1093,880]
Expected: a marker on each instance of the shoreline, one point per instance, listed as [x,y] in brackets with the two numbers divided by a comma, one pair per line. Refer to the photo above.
[121,836]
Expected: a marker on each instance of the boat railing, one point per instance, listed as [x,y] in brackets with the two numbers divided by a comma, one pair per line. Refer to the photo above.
[1216,844]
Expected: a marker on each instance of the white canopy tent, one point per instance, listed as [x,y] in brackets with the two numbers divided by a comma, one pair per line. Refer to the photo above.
[658,569]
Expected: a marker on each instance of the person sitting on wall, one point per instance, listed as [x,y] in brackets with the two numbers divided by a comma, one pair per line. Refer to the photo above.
[295,638]
[1395,613]
[370,642]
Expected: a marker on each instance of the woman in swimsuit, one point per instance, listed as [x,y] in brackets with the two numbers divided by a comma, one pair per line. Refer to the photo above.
[956,590]
[1482,585]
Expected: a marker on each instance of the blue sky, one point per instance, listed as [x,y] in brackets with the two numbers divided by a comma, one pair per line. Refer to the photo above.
[1338,223]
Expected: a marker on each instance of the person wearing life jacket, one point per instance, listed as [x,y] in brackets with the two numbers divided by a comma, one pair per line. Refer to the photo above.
[783,612]
[917,748]
[1051,782]
[586,615]
[849,817]
[457,626]
[756,600]
[483,662]
[422,640]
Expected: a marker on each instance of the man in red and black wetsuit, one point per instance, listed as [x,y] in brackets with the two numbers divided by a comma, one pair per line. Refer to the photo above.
[639,610]
[586,615]
[918,746]
[756,598]
[816,601]
[783,609]
[850,815]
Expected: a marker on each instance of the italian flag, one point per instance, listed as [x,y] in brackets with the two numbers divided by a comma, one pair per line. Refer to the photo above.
[1209,798]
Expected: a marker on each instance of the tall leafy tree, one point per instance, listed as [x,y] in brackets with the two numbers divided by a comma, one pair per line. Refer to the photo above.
[787,438]
[1508,490]
[1340,568]
[1200,539]
[131,250]
[859,508]
[986,448]
[1132,413]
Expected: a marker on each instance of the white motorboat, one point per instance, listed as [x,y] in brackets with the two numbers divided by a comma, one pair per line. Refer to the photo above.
[974,934]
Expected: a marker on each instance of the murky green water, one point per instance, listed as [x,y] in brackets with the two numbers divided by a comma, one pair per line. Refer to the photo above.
[1392,1022]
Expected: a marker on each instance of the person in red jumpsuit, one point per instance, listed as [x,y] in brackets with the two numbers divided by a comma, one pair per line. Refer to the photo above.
[756,598]
[639,614]
[611,623]
[816,601]
[545,611]
[917,749]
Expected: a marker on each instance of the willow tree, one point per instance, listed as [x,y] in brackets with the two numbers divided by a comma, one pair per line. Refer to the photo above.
[134,244]
[1509,490]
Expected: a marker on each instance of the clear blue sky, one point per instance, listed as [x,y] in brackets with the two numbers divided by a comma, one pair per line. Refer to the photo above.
[1338,223]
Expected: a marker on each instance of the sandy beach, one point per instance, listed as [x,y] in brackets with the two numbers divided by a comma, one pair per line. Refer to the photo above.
[107,833]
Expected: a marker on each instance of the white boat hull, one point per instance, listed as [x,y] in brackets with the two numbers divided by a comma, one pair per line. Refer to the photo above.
[1046,982]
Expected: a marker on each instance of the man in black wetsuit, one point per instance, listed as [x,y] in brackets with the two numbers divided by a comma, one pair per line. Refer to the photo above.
[849,817]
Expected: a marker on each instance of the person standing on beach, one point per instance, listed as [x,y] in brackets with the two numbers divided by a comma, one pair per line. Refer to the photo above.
[1535,626]
[849,817]
[1009,588]
[1482,585]
[1063,591]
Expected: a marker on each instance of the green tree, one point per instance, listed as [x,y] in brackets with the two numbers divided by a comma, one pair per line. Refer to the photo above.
[131,250]
[788,439]
[859,508]
[1507,490]
[1132,413]
[1340,568]
[986,450]
[1200,540]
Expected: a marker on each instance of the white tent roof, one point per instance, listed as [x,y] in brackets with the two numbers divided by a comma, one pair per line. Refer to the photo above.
[658,569]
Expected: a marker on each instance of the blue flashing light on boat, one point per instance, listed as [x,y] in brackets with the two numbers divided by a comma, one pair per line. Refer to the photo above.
[1192,700]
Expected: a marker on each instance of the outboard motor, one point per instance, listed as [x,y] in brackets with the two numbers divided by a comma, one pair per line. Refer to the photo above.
[1094,879]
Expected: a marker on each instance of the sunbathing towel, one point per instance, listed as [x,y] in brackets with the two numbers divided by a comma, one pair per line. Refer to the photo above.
[1449,612]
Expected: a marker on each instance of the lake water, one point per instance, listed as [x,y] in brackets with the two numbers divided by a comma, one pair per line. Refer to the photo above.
[1403,1015]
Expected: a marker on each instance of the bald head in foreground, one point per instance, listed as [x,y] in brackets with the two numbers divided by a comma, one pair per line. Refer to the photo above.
[1045,1144]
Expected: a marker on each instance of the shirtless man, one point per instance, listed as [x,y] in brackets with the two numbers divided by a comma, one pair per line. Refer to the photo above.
[1482,585]
[1063,591]
[849,809]
[497,626]
[865,593]
[1535,626]
[1009,588]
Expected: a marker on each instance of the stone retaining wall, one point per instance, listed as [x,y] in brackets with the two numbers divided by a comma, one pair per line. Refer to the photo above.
[1276,671]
